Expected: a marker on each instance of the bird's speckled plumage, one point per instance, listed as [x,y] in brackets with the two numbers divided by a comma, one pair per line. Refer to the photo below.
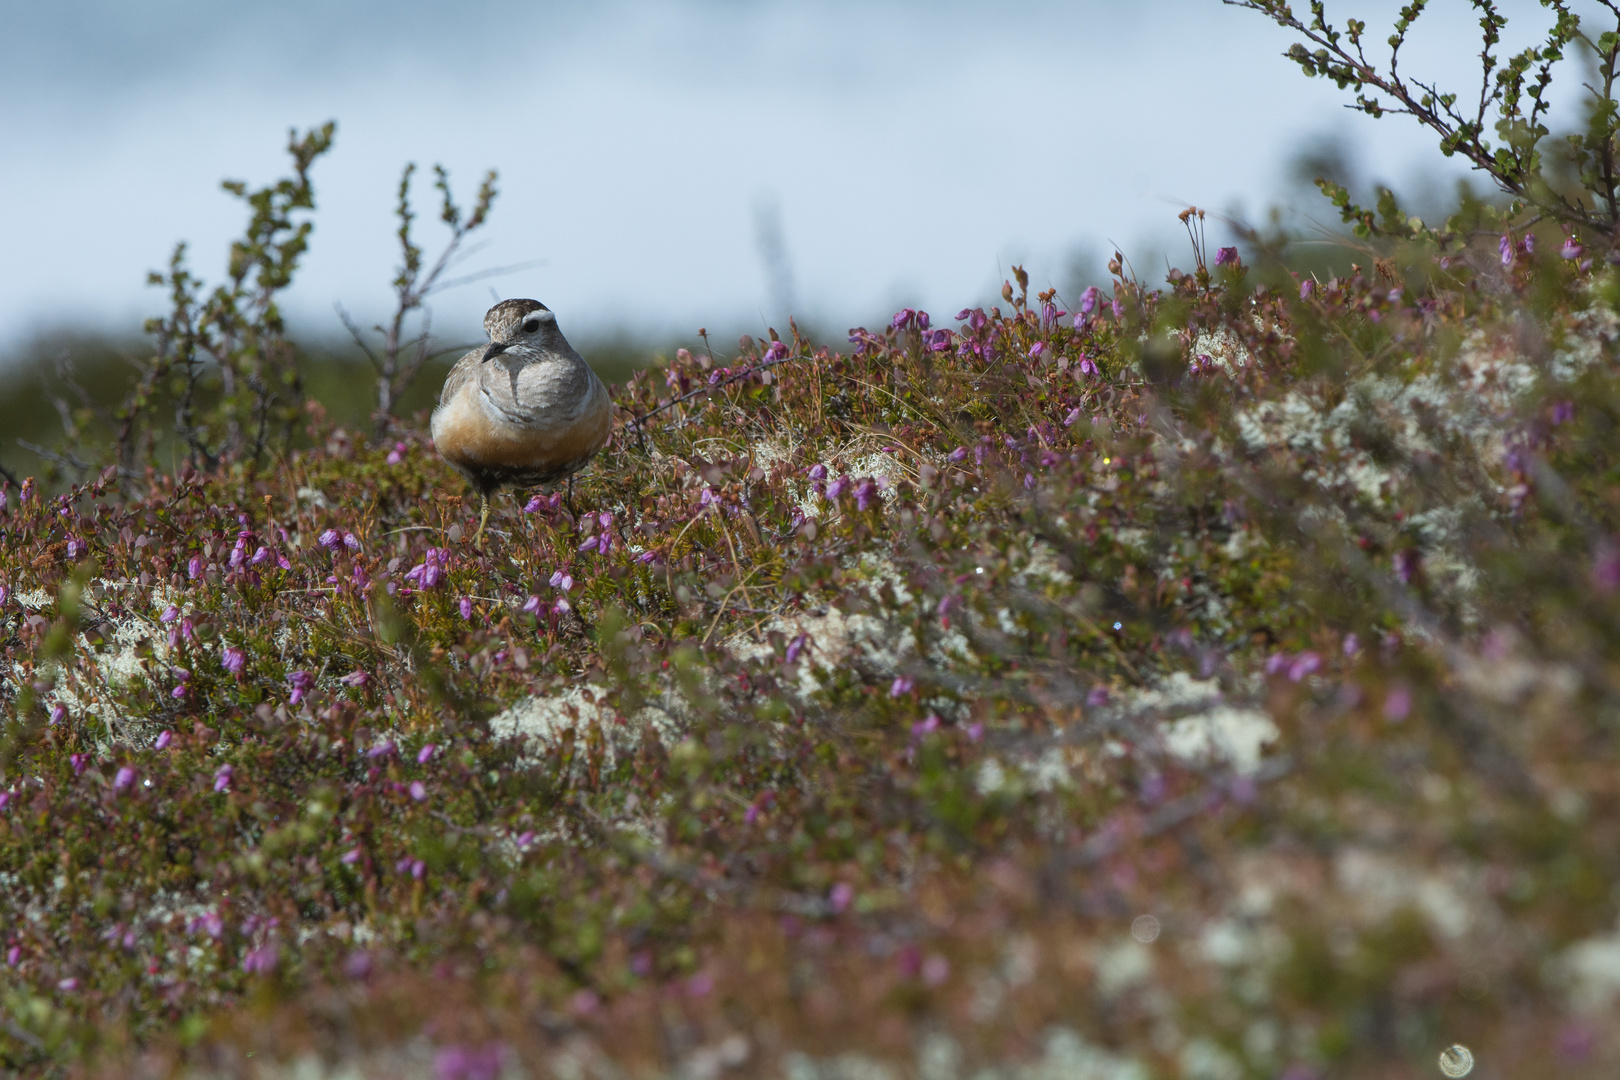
[523,410]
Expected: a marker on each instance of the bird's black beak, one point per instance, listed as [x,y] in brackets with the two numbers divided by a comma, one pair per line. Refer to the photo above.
[495,349]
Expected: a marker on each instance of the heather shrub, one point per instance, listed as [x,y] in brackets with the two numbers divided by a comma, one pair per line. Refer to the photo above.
[1213,678]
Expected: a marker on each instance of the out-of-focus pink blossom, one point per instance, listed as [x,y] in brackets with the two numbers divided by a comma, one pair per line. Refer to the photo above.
[1037,349]
[1572,249]
[959,454]
[1397,704]
[350,857]
[260,556]
[194,568]
[1226,256]
[817,472]
[424,755]
[163,740]
[397,454]
[466,608]
[531,605]
[1505,248]
[123,778]
[418,790]
[355,678]
[840,896]
[58,713]
[901,686]
[261,961]
[1088,303]
[795,647]
[222,778]
[561,579]
[381,750]
[170,614]
[330,539]
[1304,664]
[835,489]
[351,541]
[233,659]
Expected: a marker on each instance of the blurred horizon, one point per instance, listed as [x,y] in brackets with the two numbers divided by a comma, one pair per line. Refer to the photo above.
[710,162]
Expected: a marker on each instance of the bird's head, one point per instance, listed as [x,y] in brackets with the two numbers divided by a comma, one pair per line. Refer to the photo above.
[513,324]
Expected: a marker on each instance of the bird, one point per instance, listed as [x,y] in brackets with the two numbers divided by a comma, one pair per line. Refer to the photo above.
[523,410]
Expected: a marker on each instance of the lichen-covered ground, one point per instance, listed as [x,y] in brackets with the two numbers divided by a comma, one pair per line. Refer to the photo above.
[1213,682]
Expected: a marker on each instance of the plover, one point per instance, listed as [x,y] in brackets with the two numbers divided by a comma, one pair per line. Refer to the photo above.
[526,409]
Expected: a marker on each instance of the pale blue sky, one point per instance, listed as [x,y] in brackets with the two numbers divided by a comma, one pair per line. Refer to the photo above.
[912,151]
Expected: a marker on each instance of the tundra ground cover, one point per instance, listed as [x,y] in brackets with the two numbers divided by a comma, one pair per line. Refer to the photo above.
[1212,680]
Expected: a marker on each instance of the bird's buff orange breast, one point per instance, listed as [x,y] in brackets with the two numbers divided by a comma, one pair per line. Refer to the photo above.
[469,436]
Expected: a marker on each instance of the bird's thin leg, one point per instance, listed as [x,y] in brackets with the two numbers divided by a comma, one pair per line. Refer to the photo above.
[483,519]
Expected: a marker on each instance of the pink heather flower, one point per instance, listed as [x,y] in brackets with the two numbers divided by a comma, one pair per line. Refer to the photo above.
[233,659]
[817,472]
[534,505]
[262,960]
[1306,288]
[5,594]
[13,956]
[939,341]
[1406,564]
[1088,302]
[903,317]
[1304,664]
[590,542]
[1606,570]
[901,686]
[58,713]
[351,541]
[1029,481]
[259,556]
[1529,242]
[195,567]
[1505,248]
[1276,662]
[561,607]
[928,724]
[381,750]
[1572,249]
[835,489]
[778,350]
[1119,307]
[418,790]
[355,678]
[78,761]
[330,539]
[222,778]
[466,608]
[1352,645]
[397,454]
[795,647]
[1226,256]
[350,857]
[864,493]
[935,970]
[1397,704]
[1087,367]
[237,557]
[561,580]
[1036,349]
[418,869]
[68,985]
[959,454]
[124,777]
[170,614]
[424,755]
[1563,412]
[163,741]
[962,316]
[532,605]
[839,897]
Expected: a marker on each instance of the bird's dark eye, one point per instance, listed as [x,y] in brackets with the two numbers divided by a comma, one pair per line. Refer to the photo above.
[531,326]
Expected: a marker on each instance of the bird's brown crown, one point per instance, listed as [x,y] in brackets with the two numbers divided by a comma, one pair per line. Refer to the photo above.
[500,320]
